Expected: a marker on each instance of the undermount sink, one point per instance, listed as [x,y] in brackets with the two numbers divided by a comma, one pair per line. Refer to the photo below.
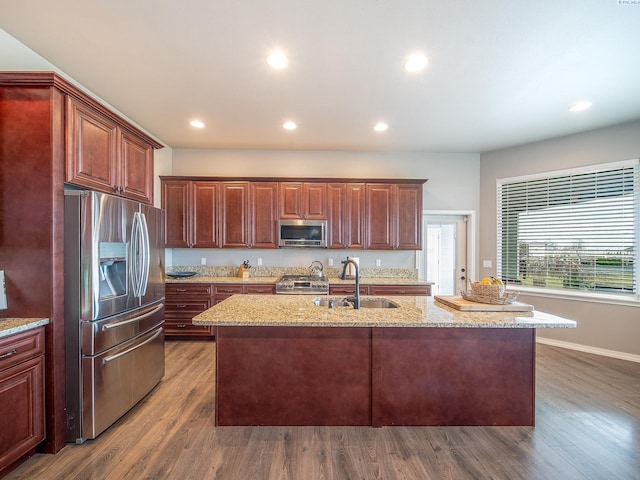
[364,302]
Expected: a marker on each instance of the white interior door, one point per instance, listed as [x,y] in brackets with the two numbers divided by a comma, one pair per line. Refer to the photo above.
[444,256]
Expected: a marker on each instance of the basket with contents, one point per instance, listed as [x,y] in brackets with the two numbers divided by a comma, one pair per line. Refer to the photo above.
[489,290]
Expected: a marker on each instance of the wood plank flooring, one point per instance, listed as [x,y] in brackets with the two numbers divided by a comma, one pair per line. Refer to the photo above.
[588,427]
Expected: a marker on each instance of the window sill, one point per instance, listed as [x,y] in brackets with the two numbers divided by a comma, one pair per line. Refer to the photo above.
[628,301]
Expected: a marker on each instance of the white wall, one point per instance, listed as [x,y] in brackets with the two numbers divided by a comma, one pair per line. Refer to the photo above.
[604,326]
[452,185]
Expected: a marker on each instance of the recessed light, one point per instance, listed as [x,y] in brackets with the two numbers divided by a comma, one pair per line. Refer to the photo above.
[415,63]
[277,59]
[580,106]
[380,127]
[289,125]
[196,124]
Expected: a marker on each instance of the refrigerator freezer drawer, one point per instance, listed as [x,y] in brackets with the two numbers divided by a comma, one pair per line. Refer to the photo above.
[117,379]
[101,335]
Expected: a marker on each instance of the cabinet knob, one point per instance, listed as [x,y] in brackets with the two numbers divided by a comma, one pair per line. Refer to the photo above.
[181,325]
[181,306]
[181,289]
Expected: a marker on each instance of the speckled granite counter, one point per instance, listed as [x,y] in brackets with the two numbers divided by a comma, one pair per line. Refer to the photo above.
[299,310]
[272,280]
[11,326]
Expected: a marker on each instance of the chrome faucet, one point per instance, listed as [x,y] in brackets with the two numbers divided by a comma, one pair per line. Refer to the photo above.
[355,300]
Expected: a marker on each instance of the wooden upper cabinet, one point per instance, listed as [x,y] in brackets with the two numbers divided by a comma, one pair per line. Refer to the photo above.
[306,200]
[205,214]
[263,198]
[102,156]
[408,216]
[92,148]
[135,168]
[345,215]
[192,212]
[235,214]
[394,216]
[177,205]
[355,218]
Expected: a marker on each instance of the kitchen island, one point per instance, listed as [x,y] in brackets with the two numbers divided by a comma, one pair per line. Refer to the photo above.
[281,360]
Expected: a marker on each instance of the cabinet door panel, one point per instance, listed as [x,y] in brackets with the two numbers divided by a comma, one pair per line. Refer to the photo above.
[21,388]
[235,214]
[205,214]
[315,201]
[264,215]
[337,223]
[409,217]
[175,201]
[291,200]
[91,148]
[356,220]
[136,168]
[380,231]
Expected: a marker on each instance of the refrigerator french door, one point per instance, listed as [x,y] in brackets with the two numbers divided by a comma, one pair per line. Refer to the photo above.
[114,308]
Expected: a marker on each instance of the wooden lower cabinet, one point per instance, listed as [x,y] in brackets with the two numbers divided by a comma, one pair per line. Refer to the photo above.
[394,290]
[22,423]
[226,290]
[183,302]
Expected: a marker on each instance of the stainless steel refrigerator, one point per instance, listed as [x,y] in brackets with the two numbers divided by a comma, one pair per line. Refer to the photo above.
[114,308]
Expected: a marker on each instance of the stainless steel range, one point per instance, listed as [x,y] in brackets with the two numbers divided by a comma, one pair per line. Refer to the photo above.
[302,285]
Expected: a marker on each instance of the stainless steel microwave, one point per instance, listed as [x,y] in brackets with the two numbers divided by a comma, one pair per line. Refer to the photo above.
[302,233]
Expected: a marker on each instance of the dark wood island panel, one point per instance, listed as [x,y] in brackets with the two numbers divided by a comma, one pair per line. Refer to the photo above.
[293,376]
[453,376]
[374,376]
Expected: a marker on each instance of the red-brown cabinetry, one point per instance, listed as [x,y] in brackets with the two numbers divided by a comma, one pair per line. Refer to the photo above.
[183,302]
[22,423]
[306,200]
[103,156]
[394,216]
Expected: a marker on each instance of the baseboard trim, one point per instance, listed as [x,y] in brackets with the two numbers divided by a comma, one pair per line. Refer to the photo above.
[587,349]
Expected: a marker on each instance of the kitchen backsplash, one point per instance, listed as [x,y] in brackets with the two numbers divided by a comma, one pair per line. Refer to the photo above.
[373,272]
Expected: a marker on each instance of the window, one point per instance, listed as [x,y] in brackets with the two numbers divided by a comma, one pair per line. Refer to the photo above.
[572,230]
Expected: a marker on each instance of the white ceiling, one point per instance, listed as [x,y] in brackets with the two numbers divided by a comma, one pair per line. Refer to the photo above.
[501,72]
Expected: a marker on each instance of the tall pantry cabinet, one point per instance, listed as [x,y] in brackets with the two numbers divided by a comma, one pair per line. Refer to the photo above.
[36,144]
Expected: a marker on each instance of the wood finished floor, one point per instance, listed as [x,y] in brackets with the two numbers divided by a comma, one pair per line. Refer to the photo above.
[587,413]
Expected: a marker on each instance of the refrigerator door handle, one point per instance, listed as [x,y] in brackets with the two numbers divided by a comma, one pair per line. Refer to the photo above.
[106,360]
[131,320]
[141,254]
[146,254]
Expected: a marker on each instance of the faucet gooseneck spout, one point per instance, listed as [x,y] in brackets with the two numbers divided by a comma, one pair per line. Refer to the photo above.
[355,300]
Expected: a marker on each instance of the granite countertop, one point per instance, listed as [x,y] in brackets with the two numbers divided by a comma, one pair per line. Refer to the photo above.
[271,280]
[413,311]
[11,326]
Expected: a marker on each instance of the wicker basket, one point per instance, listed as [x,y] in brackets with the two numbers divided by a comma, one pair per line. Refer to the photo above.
[506,299]
[490,291]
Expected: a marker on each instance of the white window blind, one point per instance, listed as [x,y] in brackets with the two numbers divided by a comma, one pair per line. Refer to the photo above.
[575,229]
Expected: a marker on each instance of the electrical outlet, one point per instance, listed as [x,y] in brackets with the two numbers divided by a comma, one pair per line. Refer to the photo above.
[259,261]
[203,261]
[487,263]
[3,292]
[378,262]
[330,262]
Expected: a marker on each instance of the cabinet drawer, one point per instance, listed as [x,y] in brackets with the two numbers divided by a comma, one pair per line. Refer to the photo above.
[228,289]
[416,290]
[22,346]
[347,289]
[261,289]
[173,290]
[188,305]
[186,328]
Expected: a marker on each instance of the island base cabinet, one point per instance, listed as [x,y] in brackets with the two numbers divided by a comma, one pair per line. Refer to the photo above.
[375,376]
[453,376]
[293,376]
